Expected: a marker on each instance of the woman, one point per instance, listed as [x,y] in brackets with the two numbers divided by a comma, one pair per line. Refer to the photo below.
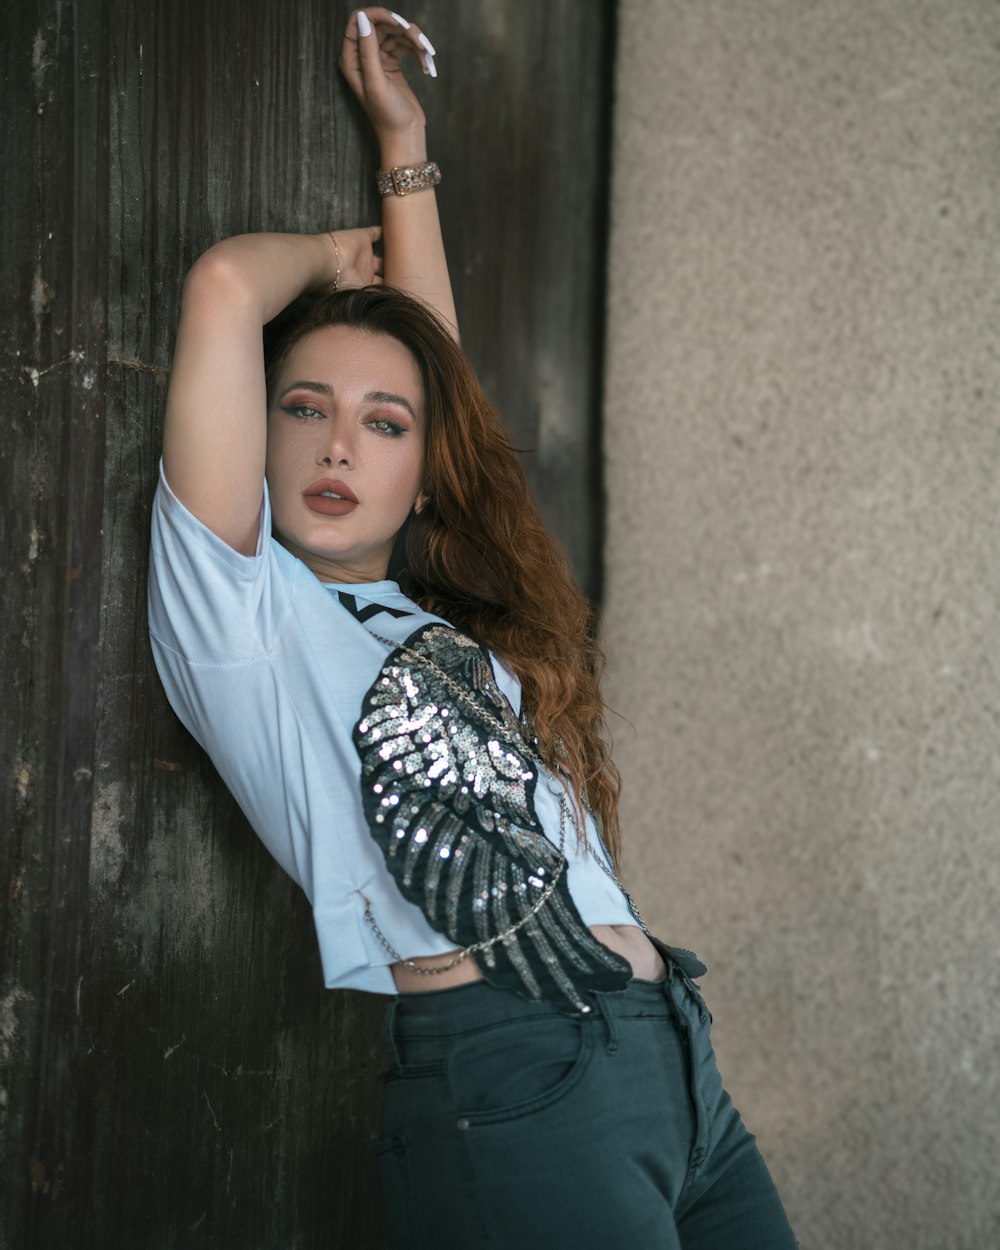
[425,756]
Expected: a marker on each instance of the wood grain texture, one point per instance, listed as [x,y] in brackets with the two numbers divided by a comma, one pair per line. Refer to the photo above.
[172,1073]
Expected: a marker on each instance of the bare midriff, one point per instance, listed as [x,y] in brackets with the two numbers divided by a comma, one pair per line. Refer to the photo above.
[624,939]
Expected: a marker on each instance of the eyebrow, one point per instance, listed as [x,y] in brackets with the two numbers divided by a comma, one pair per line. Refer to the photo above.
[387,397]
[318,388]
[372,397]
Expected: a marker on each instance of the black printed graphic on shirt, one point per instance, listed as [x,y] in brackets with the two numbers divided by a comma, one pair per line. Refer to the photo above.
[365,613]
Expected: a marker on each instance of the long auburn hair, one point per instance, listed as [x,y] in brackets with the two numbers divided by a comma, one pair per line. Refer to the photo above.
[477,553]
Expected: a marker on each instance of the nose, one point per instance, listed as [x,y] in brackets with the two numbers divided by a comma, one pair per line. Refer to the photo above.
[337,447]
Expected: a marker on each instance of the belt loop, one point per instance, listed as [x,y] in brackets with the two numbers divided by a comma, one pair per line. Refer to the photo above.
[611,1020]
[678,968]
[387,1034]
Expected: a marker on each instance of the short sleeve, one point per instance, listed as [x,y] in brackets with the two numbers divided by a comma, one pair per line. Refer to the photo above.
[207,602]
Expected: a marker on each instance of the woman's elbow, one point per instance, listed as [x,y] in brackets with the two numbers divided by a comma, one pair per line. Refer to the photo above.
[216,276]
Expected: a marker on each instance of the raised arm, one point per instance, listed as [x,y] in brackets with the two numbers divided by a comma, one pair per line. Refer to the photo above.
[215,434]
[375,45]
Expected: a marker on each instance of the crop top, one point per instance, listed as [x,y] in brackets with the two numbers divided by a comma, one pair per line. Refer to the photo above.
[324,708]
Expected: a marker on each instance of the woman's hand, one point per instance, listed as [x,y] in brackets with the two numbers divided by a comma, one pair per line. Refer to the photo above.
[355,256]
[372,64]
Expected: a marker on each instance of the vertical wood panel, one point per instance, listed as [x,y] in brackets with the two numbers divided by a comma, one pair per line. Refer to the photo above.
[521,121]
[53,257]
[172,1072]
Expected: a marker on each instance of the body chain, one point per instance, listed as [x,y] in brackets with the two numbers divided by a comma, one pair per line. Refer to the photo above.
[486,943]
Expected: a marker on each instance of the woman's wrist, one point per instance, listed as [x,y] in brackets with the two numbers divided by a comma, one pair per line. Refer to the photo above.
[338,260]
[403,148]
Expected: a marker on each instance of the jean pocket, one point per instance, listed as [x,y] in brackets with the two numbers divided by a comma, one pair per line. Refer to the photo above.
[413,1071]
[517,1068]
[396,1184]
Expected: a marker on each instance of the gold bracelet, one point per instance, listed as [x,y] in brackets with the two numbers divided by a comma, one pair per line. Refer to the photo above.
[336,251]
[406,178]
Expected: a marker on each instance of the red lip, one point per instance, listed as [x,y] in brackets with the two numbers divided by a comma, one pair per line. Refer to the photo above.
[316,501]
[338,488]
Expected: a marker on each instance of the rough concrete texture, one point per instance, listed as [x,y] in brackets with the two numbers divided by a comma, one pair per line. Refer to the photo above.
[803,578]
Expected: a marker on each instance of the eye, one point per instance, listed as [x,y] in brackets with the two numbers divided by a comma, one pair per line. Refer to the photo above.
[382,425]
[305,412]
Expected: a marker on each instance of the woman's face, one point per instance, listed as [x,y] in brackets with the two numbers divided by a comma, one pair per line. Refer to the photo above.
[345,451]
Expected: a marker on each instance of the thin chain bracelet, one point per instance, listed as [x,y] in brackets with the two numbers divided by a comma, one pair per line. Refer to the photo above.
[336,252]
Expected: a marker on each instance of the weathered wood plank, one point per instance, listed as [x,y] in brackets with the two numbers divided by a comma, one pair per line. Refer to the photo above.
[524,123]
[174,1074]
[53,259]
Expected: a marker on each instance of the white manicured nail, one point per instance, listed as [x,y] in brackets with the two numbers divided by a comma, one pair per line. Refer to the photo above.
[429,66]
[364,26]
[422,38]
[400,21]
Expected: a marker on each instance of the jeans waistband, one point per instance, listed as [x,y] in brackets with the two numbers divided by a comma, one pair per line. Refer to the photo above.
[438,1013]
[479,1003]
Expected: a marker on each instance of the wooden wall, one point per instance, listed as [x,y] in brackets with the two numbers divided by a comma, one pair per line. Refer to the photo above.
[172,1073]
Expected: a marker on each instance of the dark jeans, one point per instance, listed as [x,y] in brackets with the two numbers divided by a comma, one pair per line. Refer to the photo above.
[508,1125]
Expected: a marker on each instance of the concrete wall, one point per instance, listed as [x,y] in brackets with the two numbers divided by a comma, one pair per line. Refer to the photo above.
[803,578]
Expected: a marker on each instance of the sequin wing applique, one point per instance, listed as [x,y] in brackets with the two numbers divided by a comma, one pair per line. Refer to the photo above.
[448,792]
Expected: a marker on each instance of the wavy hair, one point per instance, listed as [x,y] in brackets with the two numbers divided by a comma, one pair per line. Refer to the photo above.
[477,554]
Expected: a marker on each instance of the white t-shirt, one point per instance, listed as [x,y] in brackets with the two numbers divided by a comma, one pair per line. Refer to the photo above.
[268,668]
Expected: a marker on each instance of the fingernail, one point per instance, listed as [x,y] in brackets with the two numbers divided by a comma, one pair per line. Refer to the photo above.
[364,26]
[422,38]
[429,66]
[401,21]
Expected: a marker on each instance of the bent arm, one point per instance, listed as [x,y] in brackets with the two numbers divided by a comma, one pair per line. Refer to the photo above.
[215,433]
